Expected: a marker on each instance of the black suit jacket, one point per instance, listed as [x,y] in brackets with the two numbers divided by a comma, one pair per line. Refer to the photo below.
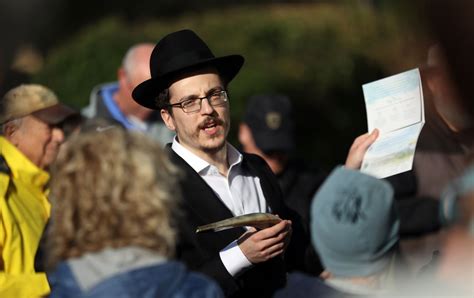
[200,205]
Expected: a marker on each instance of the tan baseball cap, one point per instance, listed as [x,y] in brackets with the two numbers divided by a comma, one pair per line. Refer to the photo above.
[36,100]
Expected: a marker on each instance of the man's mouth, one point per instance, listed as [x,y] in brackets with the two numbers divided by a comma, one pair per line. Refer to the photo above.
[210,126]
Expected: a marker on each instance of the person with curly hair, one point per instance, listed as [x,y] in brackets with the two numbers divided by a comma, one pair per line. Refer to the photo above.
[112,230]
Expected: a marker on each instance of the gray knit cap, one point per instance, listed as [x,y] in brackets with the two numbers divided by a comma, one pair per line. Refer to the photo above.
[354,226]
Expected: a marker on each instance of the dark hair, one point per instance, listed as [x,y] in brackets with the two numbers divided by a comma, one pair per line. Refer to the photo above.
[163,99]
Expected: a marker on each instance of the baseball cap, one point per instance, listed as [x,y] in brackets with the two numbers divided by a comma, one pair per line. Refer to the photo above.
[270,120]
[354,225]
[36,100]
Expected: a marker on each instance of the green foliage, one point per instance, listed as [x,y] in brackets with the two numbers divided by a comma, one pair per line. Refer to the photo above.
[90,57]
[319,54]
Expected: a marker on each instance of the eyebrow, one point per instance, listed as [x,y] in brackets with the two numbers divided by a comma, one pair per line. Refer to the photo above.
[210,91]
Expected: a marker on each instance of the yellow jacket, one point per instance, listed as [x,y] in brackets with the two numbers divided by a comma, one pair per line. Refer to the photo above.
[24,211]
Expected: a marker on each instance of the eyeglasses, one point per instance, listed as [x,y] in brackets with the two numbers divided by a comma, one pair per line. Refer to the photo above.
[192,105]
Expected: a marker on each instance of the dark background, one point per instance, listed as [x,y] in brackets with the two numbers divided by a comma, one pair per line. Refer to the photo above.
[317,52]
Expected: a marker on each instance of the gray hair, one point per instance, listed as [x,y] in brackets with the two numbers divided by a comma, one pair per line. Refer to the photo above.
[131,58]
[13,122]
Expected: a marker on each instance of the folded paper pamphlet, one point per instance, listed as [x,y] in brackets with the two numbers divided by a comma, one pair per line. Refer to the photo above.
[395,107]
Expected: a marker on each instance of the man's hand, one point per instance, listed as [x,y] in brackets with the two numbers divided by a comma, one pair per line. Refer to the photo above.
[358,149]
[260,246]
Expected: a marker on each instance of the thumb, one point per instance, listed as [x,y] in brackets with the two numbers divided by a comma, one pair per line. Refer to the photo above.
[251,230]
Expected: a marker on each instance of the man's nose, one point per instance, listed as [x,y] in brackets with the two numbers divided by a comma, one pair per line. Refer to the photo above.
[206,107]
[58,135]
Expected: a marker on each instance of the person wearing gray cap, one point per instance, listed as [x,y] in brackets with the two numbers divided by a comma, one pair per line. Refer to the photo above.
[30,119]
[354,227]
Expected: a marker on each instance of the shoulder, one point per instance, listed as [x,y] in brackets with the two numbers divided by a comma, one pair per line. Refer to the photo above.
[170,279]
[4,176]
[97,90]
[175,158]
[298,285]
[198,285]
[256,163]
[303,285]
[96,105]
[62,281]
[257,166]
[4,168]
[253,158]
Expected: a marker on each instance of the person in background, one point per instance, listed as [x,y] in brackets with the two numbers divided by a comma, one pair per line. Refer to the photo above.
[447,139]
[112,235]
[455,268]
[452,272]
[444,147]
[267,130]
[114,101]
[354,226]
[189,86]
[31,119]
[450,22]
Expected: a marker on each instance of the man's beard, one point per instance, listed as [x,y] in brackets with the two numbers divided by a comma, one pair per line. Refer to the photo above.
[214,150]
[218,123]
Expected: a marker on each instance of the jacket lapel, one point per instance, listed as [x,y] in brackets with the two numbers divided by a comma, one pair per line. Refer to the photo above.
[271,190]
[200,199]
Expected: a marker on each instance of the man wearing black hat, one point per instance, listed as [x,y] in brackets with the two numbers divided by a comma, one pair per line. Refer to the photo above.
[189,86]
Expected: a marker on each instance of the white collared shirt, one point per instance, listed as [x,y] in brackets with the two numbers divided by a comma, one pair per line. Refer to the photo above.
[239,191]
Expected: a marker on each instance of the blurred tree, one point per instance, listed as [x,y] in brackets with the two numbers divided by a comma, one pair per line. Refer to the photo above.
[318,54]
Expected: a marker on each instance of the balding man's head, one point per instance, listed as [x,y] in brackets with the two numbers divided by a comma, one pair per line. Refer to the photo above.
[136,63]
[134,70]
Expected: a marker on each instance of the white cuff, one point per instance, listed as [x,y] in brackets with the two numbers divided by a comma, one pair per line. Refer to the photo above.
[233,258]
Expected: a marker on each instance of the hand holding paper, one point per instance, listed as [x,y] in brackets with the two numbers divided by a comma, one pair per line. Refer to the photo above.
[359,148]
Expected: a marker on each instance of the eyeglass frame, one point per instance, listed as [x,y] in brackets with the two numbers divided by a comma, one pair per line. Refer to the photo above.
[180,104]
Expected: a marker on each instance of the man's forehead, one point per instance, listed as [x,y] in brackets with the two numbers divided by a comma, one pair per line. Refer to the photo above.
[33,120]
[195,83]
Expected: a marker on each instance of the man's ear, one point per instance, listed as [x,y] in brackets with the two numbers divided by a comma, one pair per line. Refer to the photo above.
[10,131]
[122,77]
[245,135]
[168,119]
[247,140]
[432,86]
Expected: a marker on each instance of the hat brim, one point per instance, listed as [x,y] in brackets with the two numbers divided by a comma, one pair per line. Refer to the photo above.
[146,93]
[275,141]
[54,114]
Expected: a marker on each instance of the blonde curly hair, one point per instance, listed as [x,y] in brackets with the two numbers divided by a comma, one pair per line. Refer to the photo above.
[111,189]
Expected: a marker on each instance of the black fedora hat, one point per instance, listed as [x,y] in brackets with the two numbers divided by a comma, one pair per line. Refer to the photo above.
[176,53]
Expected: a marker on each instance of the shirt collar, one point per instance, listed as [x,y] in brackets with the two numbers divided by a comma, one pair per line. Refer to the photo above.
[234,157]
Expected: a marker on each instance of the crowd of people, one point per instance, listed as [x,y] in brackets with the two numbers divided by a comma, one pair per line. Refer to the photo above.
[108,205]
